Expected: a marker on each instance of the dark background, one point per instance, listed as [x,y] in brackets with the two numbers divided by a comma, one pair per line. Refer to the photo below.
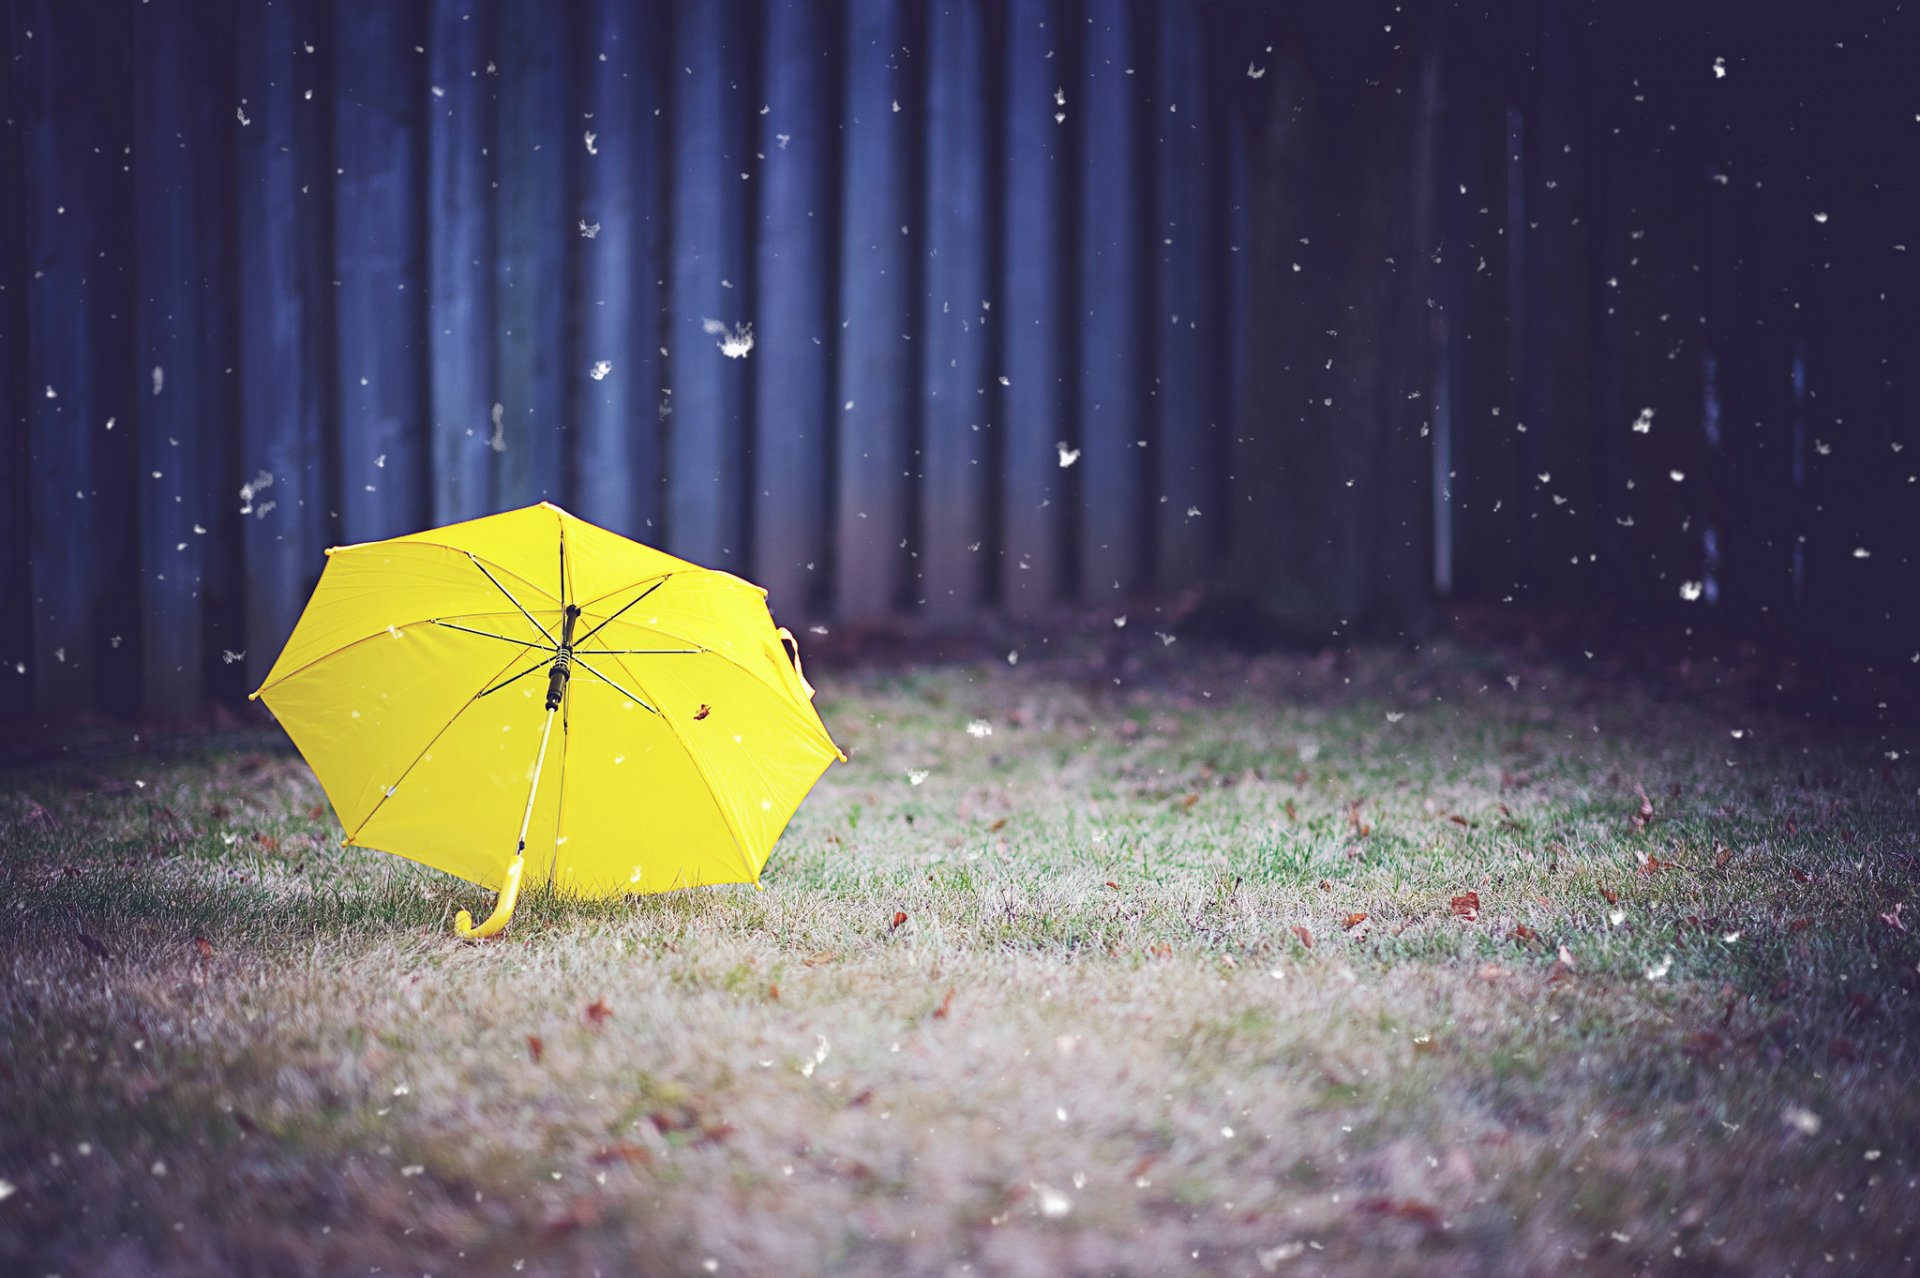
[1350,315]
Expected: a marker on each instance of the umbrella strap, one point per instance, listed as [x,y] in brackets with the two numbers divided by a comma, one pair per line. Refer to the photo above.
[463,923]
[792,646]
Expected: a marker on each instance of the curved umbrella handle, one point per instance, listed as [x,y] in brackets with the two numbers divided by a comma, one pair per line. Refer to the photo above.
[502,911]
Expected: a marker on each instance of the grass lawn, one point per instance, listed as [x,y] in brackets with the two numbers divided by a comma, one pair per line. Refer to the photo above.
[1175,962]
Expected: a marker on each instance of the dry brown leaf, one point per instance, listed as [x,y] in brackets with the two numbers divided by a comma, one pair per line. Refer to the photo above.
[1352,921]
[535,1048]
[1523,933]
[205,946]
[899,917]
[997,826]
[1638,821]
[93,945]
[946,1005]
[1306,937]
[1188,802]
[598,1012]
[773,991]
[1721,857]
[623,1153]
[1466,905]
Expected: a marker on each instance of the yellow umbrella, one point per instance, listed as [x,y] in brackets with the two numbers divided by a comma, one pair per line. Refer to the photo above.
[423,681]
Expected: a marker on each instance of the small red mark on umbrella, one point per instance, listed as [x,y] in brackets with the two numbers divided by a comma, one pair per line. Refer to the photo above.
[703,711]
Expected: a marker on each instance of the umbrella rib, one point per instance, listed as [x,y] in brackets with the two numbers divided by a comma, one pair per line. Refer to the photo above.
[636,599]
[488,634]
[509,594]
[616,687]
[638,652]
[541,664]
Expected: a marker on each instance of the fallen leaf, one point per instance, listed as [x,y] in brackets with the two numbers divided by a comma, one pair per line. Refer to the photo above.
[1188,802]
[1293,813]
[1352,921]
[204,946]
[1113,885]
[899,917]
[535,1048]
[1306,937]
[623,1153]
[1405,1208]
[1466,905]
[818,957]
[1521,932]
[703,711]
[1161,950]
[1842,1049]
[1702,1045]
[1459,820]
[1639,820]
[1800,924]
[997,826]
[598,1012]
[93,946]
[1892,917]
[946,1005]
[1793,824]
[1492,972]
[1612,899]
[1721,857]
[1566,957]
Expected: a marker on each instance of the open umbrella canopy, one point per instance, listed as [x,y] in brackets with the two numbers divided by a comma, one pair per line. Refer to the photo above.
[425,677]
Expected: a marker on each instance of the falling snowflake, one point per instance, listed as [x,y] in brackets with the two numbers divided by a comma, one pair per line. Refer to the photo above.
[240,114]
[1660,969]
[1690,590]
[589,231]
[734,342]
[1643,424]
[1068,456]
[600,369]
[979,728]
[1053,1203]
[917,775]
[1719,68]
[159,378]
[591,138]
[1255,73]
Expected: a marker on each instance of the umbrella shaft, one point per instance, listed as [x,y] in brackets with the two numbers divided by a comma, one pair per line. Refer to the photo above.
[533,790]
[563,663]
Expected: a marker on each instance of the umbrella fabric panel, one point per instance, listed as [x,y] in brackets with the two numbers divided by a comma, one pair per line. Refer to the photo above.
[757,752]
[370,711]
[460,803]
[379,587]
[638,814]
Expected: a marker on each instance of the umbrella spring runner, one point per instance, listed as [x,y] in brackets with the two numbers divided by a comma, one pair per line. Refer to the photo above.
[510,885]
